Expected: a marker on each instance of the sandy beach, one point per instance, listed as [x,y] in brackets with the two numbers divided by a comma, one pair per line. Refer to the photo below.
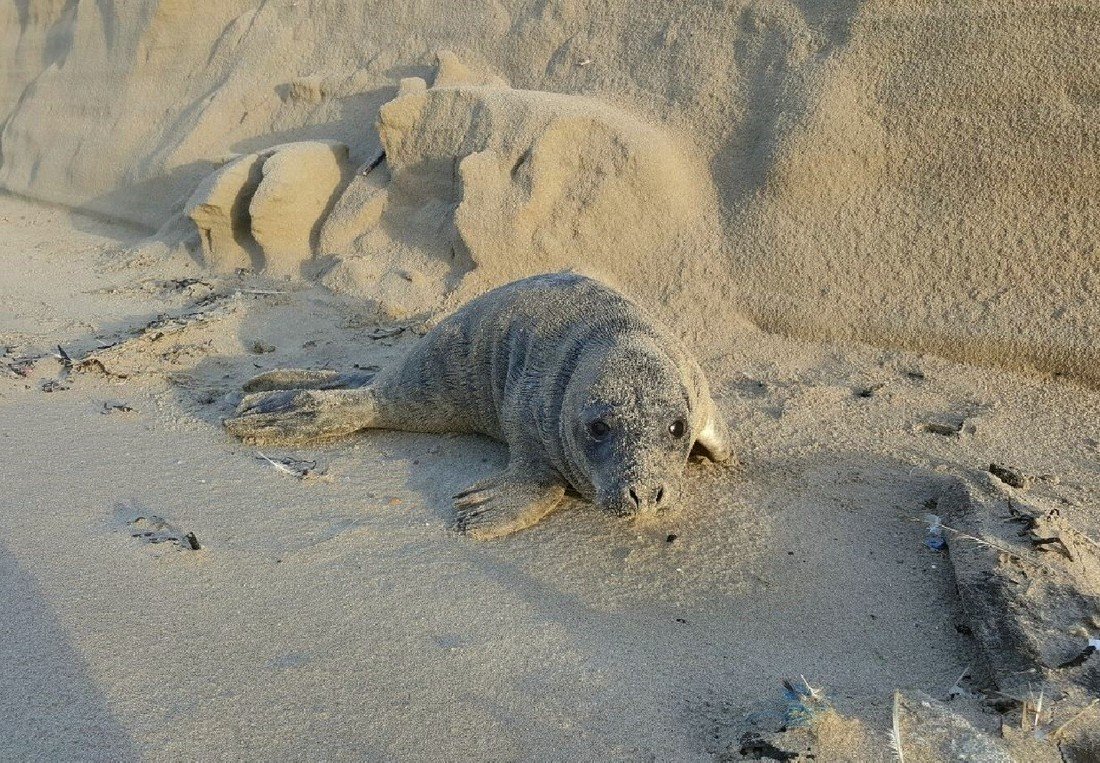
[340,616]
[874,224]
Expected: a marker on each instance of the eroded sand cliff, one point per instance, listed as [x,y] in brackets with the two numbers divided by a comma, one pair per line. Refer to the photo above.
[903,173]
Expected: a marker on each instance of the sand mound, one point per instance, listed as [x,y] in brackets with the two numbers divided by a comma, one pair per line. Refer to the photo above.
[489,184]
[476,185]
[264,211]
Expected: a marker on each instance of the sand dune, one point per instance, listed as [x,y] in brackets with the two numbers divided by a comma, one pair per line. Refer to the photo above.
[906,174]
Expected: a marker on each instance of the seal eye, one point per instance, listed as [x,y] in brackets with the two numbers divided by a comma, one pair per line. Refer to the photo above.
[676,428]
[599,429]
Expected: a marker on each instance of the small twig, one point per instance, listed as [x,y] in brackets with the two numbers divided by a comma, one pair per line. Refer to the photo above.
[279,466]
[1026,706]
[386,333]
[368,168]
[995,546]
[302,470]
[1012,697]
[1038,710]
[66,361]
[261,291]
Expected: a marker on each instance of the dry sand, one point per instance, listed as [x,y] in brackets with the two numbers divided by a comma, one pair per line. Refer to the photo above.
[341,617]
[777,180]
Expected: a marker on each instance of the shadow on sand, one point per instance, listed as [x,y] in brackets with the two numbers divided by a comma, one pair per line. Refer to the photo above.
[50,708]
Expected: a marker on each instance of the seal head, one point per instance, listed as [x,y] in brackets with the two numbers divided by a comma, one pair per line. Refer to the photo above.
[629,419]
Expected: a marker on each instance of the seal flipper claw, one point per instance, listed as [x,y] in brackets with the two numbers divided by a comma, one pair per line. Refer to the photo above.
[505,504]
[294,415]
[303,378]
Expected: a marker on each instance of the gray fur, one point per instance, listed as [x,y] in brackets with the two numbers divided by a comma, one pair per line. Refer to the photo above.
[532,364]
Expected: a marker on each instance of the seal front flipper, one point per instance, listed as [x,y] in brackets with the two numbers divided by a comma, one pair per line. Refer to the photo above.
[514,500]
[295,415]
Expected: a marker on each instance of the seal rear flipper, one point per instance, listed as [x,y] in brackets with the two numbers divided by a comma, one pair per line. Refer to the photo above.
[295,415]
[507,503]
[304,378]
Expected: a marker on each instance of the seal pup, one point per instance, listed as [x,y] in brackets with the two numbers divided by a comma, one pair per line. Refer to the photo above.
[586,390]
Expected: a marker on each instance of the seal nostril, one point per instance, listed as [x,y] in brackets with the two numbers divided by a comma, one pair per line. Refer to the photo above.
[660,494]
[634,497]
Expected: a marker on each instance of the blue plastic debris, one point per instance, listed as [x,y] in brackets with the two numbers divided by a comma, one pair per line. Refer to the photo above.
[803,702]
[933,536]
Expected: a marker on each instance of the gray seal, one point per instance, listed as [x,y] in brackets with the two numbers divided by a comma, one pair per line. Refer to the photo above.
[586,390]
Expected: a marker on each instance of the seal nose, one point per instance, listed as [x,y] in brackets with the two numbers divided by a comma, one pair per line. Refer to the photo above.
[644,501]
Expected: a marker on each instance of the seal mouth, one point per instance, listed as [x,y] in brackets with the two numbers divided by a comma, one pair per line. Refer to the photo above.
[633,515]
[637,500]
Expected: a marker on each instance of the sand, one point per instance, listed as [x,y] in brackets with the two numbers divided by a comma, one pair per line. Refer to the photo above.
[341,617]
[875,223]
